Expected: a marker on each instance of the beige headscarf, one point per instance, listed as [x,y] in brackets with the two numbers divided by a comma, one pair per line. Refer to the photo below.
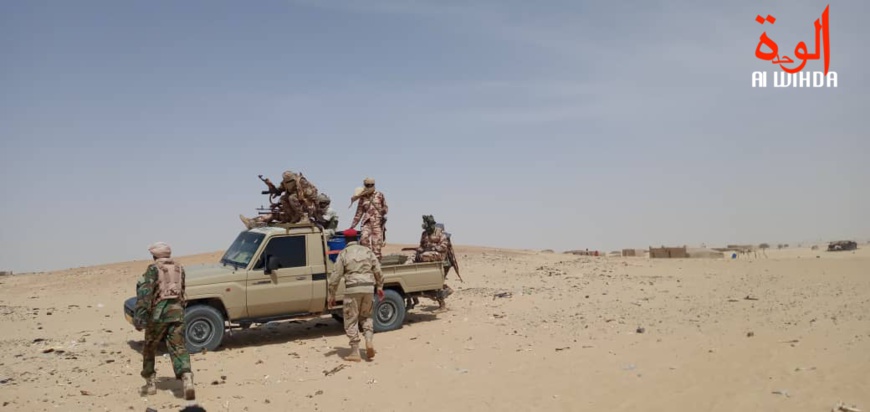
[160,250]
[360,192]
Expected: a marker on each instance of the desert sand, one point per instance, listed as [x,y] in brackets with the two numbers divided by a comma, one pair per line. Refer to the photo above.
[789,332]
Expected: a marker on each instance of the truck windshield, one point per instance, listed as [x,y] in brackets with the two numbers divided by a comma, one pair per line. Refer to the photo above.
[243,249]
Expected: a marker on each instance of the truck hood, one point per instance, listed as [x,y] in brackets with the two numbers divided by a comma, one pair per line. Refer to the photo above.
[195,275]
[207,273]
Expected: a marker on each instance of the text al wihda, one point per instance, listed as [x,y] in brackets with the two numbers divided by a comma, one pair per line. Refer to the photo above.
[800,79]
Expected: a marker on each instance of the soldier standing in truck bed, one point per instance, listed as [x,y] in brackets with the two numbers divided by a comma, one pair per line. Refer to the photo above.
[325,216]
[371,211]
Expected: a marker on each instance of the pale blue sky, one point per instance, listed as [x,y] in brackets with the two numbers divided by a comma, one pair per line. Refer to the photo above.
[551,124]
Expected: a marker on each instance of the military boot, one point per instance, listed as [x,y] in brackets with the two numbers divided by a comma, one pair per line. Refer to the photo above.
[189,391]
[354,353]
[447,292]
[151,385]
[370,346]
[246,221]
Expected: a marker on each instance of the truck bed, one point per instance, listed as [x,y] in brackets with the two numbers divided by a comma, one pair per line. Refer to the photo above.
[415,277]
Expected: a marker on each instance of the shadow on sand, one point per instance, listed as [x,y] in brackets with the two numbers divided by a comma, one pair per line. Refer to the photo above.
[286,331]
[165,383]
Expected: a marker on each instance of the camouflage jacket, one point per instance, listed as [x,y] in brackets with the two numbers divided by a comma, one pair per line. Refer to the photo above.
[373,207]
[360,269]
[303,186]
[436,242]
[147,310]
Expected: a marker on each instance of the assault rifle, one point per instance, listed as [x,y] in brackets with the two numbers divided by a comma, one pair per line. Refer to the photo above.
[451,257]
[272,209]
[273,191]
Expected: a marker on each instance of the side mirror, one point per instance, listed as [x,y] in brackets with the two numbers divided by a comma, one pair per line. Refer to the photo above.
[272,264]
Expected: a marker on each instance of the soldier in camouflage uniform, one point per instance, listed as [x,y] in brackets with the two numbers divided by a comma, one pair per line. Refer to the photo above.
[325,216]
[296,205]
[160,312]
[433,248]
[433,242]
[371,211]
[361,271]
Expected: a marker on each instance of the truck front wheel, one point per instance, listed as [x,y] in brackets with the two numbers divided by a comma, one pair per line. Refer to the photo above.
[203,328]
[389,312]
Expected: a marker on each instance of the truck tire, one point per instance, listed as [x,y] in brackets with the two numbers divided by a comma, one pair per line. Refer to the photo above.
[389,313]
[204,328]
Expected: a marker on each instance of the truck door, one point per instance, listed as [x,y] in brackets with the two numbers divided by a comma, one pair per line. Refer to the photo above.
[286,290]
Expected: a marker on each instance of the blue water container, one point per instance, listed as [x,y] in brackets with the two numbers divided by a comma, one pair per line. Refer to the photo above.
[335,245]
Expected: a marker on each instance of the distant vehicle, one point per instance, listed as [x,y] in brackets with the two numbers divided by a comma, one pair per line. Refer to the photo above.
[842,245]
[279,273]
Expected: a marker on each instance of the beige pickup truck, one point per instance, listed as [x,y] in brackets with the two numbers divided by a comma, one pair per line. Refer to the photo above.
[277,273]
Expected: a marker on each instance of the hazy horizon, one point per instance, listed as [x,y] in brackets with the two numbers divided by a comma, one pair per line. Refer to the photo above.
[555,125]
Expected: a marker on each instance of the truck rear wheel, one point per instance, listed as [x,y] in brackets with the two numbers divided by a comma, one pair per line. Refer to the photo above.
[203,328]
[388,313]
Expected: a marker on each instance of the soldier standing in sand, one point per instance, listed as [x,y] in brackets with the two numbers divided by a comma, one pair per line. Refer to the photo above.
[160,312]
[371,211]
[434,247]
[361,271]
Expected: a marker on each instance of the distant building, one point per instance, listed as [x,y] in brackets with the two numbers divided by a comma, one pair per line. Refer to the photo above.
[633,252]
[668,252]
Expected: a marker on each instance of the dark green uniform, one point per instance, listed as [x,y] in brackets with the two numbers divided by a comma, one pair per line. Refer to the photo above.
[162,321]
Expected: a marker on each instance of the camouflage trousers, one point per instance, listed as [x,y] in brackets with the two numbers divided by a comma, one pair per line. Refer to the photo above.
[279,216]
[172,333]
[358,315]
[429,256]
[433,256]
[298,208]
[290,214]
[372,237]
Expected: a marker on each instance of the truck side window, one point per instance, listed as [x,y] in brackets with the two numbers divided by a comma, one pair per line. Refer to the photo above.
[290,251]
